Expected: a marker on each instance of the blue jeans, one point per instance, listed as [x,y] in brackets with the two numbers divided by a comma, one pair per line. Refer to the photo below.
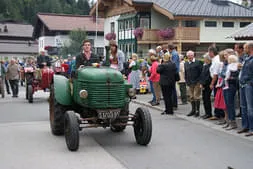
[243,105]
[152,91]
[229,97]
[249,100]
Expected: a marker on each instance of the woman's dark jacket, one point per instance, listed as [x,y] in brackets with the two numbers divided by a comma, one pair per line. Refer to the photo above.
[167,71]
[205,78]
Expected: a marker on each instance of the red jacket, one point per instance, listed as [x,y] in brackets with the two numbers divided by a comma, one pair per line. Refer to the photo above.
[65,66]
[154,77]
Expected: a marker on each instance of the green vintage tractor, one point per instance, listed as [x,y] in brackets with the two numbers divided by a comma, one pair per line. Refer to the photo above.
[97,97]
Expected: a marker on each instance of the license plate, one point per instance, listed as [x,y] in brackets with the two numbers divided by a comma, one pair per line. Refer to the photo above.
[108,114]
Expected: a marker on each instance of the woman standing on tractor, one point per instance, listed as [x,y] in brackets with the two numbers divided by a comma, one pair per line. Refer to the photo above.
[117,57]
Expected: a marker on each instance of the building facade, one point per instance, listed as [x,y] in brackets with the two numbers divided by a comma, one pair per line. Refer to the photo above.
[196,23]
[16,40]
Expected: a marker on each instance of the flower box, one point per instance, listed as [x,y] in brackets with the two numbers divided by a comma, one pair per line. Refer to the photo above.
[138,33]
[167,33]
[110,36]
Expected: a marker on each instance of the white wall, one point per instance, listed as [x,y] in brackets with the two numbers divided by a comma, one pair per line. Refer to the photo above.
[64,39]
[99,42]
[159,21]
[46,41]
[217,34]
[107,26]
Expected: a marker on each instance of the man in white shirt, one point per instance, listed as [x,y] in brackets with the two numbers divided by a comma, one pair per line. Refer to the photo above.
[214,72]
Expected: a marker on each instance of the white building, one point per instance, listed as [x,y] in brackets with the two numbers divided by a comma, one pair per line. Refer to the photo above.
[52,30]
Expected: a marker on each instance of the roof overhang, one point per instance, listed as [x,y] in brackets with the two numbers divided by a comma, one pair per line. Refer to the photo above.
[132,3]
[163,11]
[245,33]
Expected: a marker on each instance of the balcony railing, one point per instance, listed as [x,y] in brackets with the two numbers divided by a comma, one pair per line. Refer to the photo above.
[182,34]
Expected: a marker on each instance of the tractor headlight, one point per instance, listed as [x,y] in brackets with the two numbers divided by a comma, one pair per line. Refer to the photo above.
[131,92]
[83,94]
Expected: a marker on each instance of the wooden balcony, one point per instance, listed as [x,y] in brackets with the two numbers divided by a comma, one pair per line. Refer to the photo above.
[182,34]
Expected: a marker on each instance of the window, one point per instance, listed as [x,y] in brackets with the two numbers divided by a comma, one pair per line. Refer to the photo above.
[243,24]
[144,23]
[210,24]
[228,24]
[112,27]
[100,51]
[121,26]
[190,23]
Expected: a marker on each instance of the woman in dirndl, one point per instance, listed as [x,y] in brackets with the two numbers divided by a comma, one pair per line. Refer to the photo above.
[135,72]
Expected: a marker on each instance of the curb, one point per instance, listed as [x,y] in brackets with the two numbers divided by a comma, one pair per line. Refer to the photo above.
[196,121]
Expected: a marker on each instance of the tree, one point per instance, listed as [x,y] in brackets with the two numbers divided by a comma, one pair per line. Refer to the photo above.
[74,45]
[84,7]
[245,3]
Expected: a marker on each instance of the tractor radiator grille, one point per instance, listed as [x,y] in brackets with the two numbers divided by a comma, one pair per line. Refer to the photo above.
[104,95]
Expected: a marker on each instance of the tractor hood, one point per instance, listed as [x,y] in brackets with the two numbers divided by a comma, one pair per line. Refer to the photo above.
[101,74]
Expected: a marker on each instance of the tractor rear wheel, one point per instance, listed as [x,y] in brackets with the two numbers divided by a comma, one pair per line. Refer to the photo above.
[2,87]
[56,114]
[30,93]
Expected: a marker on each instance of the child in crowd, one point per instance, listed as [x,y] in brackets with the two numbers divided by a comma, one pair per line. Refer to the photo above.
[232,67]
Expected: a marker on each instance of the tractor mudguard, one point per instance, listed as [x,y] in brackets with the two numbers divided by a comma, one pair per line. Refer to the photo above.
[62,90]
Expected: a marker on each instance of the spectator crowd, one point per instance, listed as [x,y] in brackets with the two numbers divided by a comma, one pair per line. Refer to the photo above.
[220,74]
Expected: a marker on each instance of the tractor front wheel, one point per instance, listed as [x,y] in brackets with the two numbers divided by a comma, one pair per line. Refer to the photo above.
[71,131]
[142,126]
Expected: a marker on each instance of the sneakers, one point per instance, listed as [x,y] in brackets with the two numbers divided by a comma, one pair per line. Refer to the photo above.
[155,103]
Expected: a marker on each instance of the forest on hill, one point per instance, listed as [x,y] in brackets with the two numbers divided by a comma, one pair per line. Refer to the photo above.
[26,10]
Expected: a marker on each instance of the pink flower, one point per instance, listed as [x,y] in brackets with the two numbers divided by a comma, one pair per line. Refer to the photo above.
[110,36]
[166,33]
[138,32]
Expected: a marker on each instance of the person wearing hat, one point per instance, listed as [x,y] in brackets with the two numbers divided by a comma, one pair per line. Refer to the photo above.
[155,77]
[86,57]
[43,59]
[117,57]
[168,72]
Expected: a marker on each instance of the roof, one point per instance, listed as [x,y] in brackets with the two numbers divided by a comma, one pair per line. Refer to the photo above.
[62,22]
[202,8]
[16,30]
[245,33]
[20,47]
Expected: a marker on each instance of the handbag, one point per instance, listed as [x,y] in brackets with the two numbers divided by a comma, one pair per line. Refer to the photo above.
[219,101]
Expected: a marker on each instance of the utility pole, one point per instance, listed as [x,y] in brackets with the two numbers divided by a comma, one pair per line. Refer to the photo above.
[95,43]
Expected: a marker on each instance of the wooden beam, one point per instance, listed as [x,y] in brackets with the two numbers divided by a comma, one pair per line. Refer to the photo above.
[163,11]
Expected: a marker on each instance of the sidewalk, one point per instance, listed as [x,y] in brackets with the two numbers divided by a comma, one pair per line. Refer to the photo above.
[183,110]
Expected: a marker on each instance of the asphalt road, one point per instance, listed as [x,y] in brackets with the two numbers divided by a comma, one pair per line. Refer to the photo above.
[26,142]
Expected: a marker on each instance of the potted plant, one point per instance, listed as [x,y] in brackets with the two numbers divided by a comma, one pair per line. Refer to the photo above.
[167,33]
[138,32]
[110,36]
